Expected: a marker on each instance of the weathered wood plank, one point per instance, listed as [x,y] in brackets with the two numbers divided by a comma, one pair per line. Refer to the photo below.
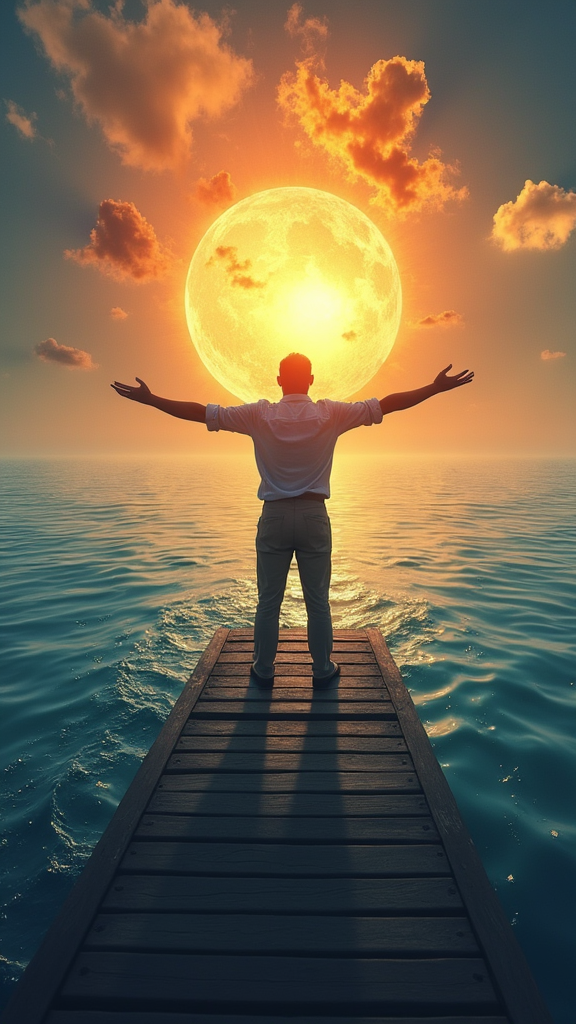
[251,727]
[159,1017]
[282,805]
[299,646]
[286,935]
[243,669]
[304,682]
[293,744]
[247,860]
[288,762]
[282,895]
[507,962]
[334,983]
[284,657]
[217,691]
[304,709]
[297,633]
[44,974]
[290,782]
[294,829]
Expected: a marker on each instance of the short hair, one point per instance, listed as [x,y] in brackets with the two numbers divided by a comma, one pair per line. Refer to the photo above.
[296,369]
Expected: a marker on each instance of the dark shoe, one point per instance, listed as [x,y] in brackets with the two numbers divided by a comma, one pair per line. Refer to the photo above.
[265,682]
[320,681]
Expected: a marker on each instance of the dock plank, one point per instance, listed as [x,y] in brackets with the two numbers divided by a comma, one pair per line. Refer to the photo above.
[309,728]
[285,935]
[298,669]
[263,782]
[316,983]
[299,647]
[291,744]
[231,656]
[263,860]
[144,1017]
[337,762]
[282,895]
[159,1017]
[313,805]
[329,710]
[293,829]
[304,682]
[283,693]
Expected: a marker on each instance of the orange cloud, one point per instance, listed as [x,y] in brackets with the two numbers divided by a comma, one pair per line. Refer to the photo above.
[449,318]
[349,335]
[74,358]
[22,121]
[143,82]
[235,268]
[123,245]
[371,132]
[547,354]
[310,31]
[541,217]
[117,313]
[216,191]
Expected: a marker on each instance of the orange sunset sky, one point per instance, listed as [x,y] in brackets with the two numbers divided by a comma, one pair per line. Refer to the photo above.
[129,128]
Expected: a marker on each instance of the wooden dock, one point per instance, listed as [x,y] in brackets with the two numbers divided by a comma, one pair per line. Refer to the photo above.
[283,856]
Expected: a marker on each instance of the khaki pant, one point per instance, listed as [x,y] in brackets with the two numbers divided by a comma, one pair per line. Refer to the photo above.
[287,526]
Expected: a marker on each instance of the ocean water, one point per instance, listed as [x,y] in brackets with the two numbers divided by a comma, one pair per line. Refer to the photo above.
[116,573]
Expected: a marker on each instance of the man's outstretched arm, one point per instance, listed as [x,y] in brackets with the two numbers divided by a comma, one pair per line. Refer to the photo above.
[142,394]
[406,399]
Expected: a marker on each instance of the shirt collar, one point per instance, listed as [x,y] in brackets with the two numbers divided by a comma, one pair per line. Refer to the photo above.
[296,398]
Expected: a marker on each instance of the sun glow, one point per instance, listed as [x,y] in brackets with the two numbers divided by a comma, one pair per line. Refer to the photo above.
[293,269]
[309,313]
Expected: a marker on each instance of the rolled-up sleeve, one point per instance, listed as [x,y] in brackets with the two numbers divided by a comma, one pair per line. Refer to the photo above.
[375,410]
[357,414]
[212,417]
[240,419]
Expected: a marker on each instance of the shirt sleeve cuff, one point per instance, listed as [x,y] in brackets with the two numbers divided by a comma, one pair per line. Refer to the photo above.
[212,417]
[375,410]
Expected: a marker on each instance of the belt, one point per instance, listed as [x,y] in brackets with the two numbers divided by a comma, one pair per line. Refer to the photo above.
[307,496]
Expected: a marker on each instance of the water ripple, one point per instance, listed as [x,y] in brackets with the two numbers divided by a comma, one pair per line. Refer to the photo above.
[116,575]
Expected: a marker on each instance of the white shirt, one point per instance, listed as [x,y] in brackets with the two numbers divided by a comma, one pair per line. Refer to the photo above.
[294,439]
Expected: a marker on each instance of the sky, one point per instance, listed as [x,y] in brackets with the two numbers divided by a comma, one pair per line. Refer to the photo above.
[128,129]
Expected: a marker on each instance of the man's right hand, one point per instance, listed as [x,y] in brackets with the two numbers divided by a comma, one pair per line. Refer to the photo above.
[139,394]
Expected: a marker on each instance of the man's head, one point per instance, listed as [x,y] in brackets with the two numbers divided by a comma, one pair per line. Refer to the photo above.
[295,375]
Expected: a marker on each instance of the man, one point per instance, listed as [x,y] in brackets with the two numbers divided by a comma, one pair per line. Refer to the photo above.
[294,443]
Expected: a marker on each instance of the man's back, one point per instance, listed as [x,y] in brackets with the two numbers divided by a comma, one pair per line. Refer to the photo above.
[294,439]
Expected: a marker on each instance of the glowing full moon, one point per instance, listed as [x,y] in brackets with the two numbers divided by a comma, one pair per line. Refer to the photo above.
[293,270]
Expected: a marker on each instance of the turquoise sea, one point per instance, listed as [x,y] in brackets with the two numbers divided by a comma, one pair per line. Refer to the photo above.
[116,573]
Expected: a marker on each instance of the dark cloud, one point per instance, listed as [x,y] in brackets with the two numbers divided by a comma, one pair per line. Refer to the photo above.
[74,358]
[542,217]
[21,120]
[216,191]
[448,318]
[370,133]
[547,354]
[236,269]
[349,335]
[143,82]
[310,31]
[123,245]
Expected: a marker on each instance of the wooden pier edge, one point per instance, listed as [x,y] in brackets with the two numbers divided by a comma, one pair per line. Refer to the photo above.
[510,971]
[45,972]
